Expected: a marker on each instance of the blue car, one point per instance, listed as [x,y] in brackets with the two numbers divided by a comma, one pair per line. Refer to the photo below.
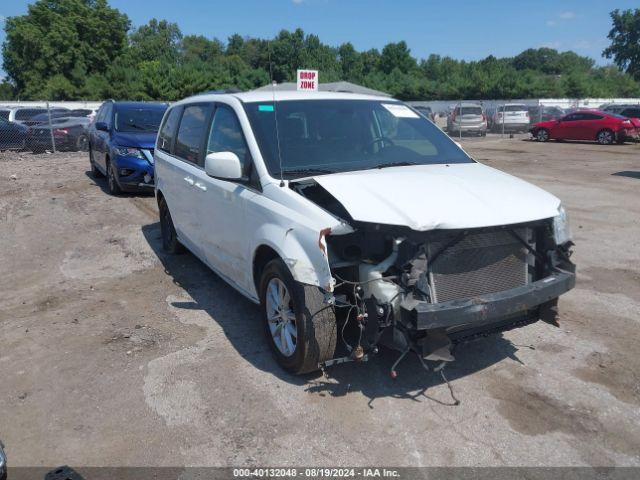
[121,142]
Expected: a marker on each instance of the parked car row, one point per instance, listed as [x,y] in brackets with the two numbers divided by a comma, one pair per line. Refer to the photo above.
[39,129]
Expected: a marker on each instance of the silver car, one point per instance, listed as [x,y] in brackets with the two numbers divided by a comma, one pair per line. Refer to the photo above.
[467,118]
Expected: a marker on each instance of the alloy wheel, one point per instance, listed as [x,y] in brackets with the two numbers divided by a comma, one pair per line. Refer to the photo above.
[280,317]
[605,137]
[543,135]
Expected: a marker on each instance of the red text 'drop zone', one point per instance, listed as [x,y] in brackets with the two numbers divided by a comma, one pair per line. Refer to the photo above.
[307,75]
[307,85]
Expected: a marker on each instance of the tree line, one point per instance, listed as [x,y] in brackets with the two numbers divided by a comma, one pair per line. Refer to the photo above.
[85,49]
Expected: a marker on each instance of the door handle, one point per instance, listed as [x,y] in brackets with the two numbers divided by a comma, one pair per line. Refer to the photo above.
[201,186]
[189,180]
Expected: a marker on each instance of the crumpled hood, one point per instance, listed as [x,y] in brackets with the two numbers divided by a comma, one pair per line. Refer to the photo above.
[137,140]
[428,197]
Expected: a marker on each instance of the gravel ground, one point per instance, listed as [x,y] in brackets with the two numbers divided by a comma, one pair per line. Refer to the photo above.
[113,353]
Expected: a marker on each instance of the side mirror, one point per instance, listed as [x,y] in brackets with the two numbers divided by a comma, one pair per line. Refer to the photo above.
[224,165]
[102,126]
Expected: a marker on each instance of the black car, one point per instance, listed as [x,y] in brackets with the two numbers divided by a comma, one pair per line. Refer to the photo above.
[69,133]
[42,118]
[544,114]
[12,135]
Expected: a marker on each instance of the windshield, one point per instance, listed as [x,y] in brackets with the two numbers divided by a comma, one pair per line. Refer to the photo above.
[513,108]
[28,113]
[138,119]
[468,111]
[328,136]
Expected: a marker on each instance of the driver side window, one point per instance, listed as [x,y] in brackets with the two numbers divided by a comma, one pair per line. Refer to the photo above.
[226,136]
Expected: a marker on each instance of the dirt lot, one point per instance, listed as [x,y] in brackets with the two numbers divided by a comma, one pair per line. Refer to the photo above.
[113,353]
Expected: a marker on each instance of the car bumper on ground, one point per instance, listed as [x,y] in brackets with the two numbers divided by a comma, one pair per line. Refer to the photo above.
[487,310]
[134,174]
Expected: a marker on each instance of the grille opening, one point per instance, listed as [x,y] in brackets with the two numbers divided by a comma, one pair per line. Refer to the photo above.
[481,263]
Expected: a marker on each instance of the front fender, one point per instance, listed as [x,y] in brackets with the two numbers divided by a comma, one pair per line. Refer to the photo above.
[299,247]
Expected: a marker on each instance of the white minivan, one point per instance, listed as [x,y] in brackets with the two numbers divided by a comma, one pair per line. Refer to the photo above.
[355,222]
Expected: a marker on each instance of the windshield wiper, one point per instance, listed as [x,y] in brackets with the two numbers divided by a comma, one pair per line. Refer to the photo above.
[396,164]
[310,171]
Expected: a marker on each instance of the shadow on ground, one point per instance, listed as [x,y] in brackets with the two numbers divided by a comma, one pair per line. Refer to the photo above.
[102,183]
[241,323]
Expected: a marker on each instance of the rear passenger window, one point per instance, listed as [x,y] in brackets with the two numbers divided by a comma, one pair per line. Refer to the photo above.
[226,136]
[191,132]
[168,129]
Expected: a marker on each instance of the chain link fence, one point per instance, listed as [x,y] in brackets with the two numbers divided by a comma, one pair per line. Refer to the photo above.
[46,127]
[507,118]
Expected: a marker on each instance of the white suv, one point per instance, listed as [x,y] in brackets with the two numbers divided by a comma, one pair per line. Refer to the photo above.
[353,220]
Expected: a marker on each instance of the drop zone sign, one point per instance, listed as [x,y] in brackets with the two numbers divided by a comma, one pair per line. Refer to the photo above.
[308,80]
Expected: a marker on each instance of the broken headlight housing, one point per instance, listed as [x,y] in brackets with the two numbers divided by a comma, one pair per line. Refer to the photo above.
[561,228]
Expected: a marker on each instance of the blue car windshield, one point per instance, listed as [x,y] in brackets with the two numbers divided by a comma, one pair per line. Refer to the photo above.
[138,119]
[328,136]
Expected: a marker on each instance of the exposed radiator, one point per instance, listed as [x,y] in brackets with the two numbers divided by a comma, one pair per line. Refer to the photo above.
[480,263]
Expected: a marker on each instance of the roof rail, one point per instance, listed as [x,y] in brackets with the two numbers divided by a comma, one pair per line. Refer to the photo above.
[220,91]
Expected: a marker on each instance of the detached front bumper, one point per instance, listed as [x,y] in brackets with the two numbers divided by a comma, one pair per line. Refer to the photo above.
[486,310]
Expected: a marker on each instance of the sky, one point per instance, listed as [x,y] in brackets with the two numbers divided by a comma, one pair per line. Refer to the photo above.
[462,29]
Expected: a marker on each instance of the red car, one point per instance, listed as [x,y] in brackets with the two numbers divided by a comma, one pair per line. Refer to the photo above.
[595,125]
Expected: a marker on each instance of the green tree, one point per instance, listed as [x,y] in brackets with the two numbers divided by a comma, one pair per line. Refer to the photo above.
[56,39]
[157,40]
[625,41]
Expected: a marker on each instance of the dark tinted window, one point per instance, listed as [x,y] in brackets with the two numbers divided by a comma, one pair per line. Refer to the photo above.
[106,114]
[513,108]
[226,136]
[4,114]
[468,111]
[138,119]
[572,117]
[193,128]
[28,113]
[168,130]
[631,112]
[591,116]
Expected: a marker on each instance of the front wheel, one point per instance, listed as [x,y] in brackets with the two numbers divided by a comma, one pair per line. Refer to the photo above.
[112,182]
[605,137]
[95,173]
[300,327]
[542,135]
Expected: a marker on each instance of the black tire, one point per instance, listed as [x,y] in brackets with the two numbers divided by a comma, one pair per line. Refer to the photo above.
[170,243]
[314,320]
[112,181]
[95,173]
[542,135]
[605,137]
[82,143]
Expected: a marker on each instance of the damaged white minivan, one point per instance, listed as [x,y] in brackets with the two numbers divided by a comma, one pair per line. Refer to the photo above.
[342,213]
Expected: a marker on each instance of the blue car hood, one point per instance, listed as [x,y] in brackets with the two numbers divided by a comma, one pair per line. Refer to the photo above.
[138,140]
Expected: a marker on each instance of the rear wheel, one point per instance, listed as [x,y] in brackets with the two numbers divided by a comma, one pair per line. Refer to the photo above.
[170,243]
[605,137]
[112,182]
[300,327]
[82,143]
[542,135]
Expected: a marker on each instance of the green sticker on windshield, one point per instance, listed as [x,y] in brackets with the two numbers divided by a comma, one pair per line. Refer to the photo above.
[265,108]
